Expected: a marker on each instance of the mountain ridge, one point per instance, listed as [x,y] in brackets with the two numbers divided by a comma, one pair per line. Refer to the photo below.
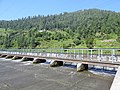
[84,28]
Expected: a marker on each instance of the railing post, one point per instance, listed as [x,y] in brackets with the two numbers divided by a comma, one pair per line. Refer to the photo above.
[79,53]
[82,54]
[87,54]
[67,54]
[101,54]
[99,58]
[70,54]
[74,53]
[61,52]
[56,52]
[91,54]
[50,53]
[113,55]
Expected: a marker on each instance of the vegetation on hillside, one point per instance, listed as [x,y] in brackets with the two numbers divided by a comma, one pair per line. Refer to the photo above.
[91,28]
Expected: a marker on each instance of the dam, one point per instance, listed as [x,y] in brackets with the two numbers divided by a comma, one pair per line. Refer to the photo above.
[59,78]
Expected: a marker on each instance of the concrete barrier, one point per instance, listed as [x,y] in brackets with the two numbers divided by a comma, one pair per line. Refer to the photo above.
[54,63]
[27,59]
[16,57]
[3,56]
[9,56]
[81,67]
[0,55]
[37,60]
[116,82]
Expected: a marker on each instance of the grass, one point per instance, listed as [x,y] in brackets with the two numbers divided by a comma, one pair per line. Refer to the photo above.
[111,44]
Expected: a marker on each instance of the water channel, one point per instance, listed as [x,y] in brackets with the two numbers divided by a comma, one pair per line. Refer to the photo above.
[16,75]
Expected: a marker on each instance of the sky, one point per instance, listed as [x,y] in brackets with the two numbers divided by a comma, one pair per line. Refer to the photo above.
[14,9]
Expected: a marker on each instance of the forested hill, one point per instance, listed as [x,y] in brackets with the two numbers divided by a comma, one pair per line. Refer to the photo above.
[92,18]
[82,26]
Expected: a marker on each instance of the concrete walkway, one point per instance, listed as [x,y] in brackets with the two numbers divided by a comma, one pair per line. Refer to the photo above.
[116,82]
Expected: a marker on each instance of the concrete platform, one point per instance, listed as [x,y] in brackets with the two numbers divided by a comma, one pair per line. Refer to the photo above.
[20,76]
[116,82]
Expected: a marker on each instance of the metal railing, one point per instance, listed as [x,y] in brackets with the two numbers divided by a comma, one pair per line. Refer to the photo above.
[109,55]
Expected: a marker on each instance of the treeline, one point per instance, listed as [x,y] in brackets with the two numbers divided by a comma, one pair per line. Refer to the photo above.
[30,38]
[80,25]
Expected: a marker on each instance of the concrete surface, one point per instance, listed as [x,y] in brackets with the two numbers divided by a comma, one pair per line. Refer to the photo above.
[81,67]
[27,76]
[116,82]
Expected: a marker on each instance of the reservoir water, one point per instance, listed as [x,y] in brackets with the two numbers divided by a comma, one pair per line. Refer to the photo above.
[16,75]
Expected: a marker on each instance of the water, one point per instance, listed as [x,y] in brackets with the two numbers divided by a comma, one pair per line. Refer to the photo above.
[16,75]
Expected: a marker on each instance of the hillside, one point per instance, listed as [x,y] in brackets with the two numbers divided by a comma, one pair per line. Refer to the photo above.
[91,28]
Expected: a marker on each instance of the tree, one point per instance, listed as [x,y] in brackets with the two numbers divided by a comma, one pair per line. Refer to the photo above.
[118,39]
[77,41]
[7,41]
[90,42]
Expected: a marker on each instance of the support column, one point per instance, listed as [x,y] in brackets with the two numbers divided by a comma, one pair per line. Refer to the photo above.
[3,56]
[81,67]
[37,60]
[23,59]
[27,59]
[16,57]
[54,63]
[9,56]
